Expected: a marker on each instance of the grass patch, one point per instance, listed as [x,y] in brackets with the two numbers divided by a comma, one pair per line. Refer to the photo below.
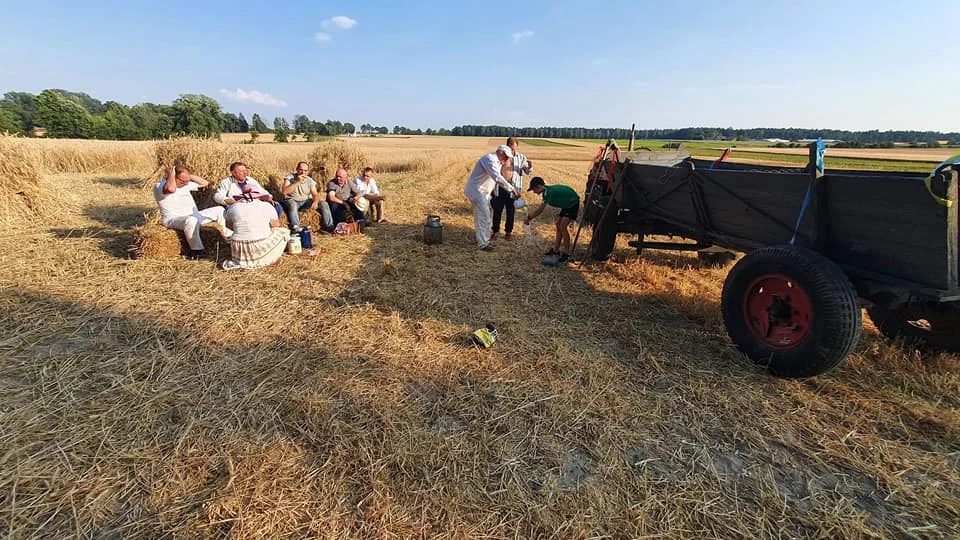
[544,142]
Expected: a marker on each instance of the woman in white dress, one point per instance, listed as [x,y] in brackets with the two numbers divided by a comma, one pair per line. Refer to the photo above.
[258,240]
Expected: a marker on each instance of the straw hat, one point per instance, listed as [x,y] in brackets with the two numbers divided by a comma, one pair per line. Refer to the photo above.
[362,204]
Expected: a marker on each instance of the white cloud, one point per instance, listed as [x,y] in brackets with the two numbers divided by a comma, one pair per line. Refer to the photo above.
[253,96]
[340,21]
[518,36]
[322,37]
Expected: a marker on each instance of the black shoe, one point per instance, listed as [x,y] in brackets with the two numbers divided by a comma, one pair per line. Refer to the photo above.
[195,254]
[488,247]
[564,257]
[551,251]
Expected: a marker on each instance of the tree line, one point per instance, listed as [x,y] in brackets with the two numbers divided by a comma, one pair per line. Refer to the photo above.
[77,115]
[851,138]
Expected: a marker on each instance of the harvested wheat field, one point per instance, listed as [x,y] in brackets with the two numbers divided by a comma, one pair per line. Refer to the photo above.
[339,396]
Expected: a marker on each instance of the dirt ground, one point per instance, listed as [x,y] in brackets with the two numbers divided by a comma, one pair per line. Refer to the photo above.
[339,395]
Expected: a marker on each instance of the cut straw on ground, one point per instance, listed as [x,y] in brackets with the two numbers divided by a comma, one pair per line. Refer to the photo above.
[339,395]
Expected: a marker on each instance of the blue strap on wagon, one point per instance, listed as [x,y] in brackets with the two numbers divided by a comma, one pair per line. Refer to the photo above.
[821,149]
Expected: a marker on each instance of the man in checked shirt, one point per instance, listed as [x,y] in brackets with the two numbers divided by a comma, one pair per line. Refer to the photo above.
[503,199]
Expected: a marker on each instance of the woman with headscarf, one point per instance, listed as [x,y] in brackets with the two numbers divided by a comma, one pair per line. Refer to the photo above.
[258,239]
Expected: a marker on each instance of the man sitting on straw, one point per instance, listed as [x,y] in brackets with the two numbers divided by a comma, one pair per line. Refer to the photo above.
[365,187]
[233,185]
[300,193]
[179,211]
[342,198]
[487,174]
[258,239]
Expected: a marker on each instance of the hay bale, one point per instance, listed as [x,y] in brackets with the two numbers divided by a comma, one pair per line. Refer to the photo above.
[154,241]
[308,218]
[207,158]
[21,195]
[327,158]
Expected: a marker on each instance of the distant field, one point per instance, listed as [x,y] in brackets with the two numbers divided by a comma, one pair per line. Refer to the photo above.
[546,142]
[888,159]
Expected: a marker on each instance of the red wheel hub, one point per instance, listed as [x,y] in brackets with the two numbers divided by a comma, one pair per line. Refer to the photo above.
[778,311]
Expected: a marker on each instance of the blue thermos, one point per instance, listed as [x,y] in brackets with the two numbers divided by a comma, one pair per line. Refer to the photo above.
[305,239]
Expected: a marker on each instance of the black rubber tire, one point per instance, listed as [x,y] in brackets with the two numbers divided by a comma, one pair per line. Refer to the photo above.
[605,233]
[836,322]
[931,327]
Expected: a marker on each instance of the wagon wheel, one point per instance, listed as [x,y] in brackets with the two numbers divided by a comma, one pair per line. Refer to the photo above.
[927,326]
[605,232]
[792,310]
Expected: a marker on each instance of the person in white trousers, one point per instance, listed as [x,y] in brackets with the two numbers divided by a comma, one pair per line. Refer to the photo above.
[179,211]
[486,175]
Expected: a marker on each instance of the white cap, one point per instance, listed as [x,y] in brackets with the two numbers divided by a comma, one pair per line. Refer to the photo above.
[506,150]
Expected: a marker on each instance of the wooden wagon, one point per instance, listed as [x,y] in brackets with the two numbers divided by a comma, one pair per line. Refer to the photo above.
[819,245]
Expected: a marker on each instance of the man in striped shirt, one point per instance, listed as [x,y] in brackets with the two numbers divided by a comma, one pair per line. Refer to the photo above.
[503,199]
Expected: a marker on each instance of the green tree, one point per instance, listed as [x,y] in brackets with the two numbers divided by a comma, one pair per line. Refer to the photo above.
[23,105]
[153,121]
[63,117]
[281,129]
[256,124]
[301,124]
[231,123]
[116,123]
[194,114]
[9,122]
[244,126]
[349,128]
[334,127]
[91,105]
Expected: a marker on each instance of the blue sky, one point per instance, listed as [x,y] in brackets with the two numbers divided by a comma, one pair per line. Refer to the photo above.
[814,64]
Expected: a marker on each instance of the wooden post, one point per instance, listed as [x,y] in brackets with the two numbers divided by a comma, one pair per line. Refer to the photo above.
[632,130]
[821,231]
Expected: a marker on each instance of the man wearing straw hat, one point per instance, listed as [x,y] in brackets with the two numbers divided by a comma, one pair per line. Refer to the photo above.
[485,176]
[179,211]
[368,195]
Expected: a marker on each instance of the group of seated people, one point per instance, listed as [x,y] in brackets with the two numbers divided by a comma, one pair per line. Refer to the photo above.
[248,217]
[358,196]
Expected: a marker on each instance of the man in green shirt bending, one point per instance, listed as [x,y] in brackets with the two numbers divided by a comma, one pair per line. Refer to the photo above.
[568,201]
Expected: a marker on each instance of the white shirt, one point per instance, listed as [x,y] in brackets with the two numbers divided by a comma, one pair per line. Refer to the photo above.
[520,167]
[228,188]
[177,204]
[250,220]
[485,176]
[360,187]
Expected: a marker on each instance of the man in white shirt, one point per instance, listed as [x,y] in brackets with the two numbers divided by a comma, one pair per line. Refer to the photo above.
[365,186]
[235,184]
[503,199]
[179,211]
[486,175]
